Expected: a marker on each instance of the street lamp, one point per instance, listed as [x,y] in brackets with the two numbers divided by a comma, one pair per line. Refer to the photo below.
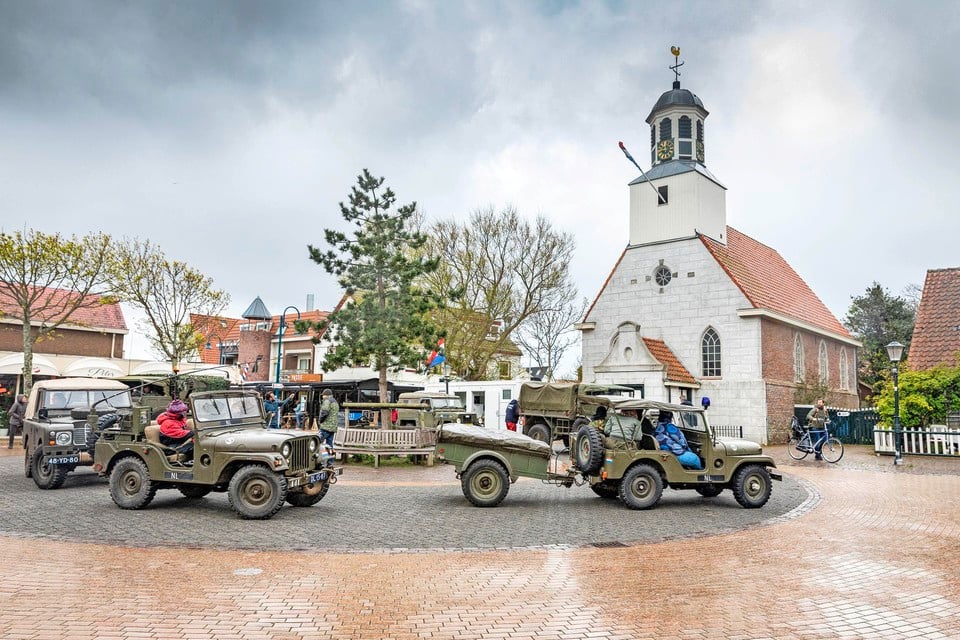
[446,378]
[219,346]
[894,351]
[283,323]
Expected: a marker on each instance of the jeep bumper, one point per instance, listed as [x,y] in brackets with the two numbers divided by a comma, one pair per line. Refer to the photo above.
[327,474]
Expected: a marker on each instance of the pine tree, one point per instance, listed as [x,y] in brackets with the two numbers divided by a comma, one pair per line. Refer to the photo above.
[379,266]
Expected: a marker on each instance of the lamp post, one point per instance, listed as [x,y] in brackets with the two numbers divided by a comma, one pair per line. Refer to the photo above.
[283,323]
[446,378]
[219,346]
[894,351]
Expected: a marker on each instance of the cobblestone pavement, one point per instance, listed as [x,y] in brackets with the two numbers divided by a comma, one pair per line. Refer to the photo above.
[874,557]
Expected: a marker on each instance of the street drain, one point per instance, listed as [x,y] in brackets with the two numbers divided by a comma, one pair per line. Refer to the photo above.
[607,545]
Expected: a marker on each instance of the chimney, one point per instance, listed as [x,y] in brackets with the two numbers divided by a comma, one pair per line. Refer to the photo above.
[309,302]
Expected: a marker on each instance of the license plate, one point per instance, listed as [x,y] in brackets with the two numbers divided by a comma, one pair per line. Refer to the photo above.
[75,459]
[317,477]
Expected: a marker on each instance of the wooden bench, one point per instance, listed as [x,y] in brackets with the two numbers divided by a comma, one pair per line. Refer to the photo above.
[385,442]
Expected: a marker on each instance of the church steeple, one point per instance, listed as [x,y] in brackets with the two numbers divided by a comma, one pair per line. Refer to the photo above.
[676,123]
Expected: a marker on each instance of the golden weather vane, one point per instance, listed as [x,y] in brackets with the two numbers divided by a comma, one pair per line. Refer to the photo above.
[675,50]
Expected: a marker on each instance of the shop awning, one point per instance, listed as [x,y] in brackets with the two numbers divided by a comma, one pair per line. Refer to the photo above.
[93,368]
[13,365]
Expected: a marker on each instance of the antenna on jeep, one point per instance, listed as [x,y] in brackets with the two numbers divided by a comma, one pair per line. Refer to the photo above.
[141,386]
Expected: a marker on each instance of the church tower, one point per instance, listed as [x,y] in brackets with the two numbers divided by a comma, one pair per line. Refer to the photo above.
[678,197]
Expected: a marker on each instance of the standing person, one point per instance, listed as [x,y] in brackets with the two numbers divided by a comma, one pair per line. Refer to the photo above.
[173,429]
[16,417]
[816,422]
[512,414]
[672,439]
[329,410]
[274,408]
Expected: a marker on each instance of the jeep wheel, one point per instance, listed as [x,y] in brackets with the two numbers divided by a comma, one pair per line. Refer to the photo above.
[641,487]
[751,486]
[194,491]
[130,484]
[709,490]
[305,500]
[607,490]
[46,476]
[485,483]
[539,432]
[256,493]
[27,464]
[588,449]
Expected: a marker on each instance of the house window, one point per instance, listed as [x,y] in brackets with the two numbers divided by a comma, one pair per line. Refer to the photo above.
[710,353]
[303,363]
[844,373]
[504,369]
[505,394]
[797,358]
[664,195]
[822,361]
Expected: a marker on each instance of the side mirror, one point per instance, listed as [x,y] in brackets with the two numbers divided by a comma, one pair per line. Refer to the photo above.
[42,414]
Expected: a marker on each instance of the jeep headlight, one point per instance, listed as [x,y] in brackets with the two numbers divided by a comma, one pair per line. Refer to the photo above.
[285,450]
[64,438]
[313,445]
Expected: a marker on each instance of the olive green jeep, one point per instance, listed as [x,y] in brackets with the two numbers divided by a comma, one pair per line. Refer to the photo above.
[620,457]
[441,407]
[233,452]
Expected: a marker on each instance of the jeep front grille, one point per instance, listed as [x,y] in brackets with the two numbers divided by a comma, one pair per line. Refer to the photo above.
[81,436]
[300,456]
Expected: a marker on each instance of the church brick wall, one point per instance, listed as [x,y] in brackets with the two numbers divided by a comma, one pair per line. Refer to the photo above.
[67,342]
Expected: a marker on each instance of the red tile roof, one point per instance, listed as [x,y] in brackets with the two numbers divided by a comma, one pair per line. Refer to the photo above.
[936,334]
[290,318]
[769,282]
[676,372]
[214,328]
[107,316]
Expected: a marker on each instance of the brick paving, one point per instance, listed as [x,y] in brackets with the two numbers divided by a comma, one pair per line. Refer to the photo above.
[875,557]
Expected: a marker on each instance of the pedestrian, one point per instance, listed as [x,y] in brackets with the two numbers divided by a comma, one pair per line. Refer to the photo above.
[274,409]
[329,410]
[16,418]
[173,429]
[512,415]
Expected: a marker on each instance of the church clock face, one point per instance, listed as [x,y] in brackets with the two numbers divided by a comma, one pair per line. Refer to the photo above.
[699,151]
[665,149]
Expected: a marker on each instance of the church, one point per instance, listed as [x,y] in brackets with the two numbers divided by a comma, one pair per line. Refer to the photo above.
[695,309]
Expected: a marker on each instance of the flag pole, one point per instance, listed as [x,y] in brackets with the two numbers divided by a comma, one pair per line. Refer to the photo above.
[660,197]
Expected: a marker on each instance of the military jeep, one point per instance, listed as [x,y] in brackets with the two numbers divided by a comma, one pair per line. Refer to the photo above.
[62,421]
[556,410]
[440,407]
[233,452]
[620,457]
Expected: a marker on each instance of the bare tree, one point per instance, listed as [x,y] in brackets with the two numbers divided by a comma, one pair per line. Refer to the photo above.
[46,279]
[167,291]
[497,269]
[546,336]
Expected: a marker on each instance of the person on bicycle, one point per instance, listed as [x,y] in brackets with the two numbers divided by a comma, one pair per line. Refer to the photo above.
[817,419]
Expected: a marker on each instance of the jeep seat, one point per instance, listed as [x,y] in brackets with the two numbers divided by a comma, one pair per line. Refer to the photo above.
[152,434]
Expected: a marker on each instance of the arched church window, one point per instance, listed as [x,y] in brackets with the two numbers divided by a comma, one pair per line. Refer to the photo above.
[699,130]
[798,358]
[653,135]
[666,129]
[822,362]
[683,127]
[844,372]
[710,353]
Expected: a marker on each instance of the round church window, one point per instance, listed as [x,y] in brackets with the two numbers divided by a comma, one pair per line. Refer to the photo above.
[662,275]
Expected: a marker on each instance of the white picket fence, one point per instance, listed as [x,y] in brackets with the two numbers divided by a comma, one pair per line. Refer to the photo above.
[935,440]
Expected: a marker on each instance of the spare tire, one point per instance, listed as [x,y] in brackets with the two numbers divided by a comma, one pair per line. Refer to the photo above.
[588,450]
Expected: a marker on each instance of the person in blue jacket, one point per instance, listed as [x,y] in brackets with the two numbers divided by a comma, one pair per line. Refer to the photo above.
[672,439]
[273,408]
[512,415]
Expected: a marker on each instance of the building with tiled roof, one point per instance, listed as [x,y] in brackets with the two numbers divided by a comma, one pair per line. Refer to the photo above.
[936,333]
[694,308]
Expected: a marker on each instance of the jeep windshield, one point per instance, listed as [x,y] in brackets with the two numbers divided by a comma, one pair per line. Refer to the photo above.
[226,410]
[67,399]
[447,403]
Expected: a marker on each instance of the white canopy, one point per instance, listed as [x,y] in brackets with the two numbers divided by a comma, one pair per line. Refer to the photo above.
[164,368]
[93,368]
[13,364]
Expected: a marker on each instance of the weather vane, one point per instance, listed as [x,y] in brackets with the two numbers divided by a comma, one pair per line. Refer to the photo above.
[675,50]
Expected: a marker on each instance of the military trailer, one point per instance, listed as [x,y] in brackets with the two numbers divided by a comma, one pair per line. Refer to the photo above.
[62,421]
[233,452]
[443,407]
[617,456]
[551,411]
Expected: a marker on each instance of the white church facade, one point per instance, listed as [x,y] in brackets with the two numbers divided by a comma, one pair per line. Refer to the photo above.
[694,308]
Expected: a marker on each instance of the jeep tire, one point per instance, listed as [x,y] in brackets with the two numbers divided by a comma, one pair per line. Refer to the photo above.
[256,493]
[485,483]
[641,487]
[130,484]
[751,486]
[709,490]
[588,450]
[301,499]
[27,463]
[46,476]
[539,432]
[194,491]
[607,490]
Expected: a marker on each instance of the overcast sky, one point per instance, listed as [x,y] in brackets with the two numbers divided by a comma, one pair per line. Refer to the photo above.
[228,132]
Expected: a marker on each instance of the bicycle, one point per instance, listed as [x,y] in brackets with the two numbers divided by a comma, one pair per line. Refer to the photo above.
[801,443]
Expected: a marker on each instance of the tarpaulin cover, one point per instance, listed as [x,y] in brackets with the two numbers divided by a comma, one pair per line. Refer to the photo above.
[493,439]
[549,398]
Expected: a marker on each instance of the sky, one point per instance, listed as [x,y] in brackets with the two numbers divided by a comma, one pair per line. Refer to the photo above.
[228,132]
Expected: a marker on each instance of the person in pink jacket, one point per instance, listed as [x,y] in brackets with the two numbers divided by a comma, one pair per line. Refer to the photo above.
[173,428]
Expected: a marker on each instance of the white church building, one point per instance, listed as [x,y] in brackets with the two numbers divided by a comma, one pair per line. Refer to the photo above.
[694,308]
